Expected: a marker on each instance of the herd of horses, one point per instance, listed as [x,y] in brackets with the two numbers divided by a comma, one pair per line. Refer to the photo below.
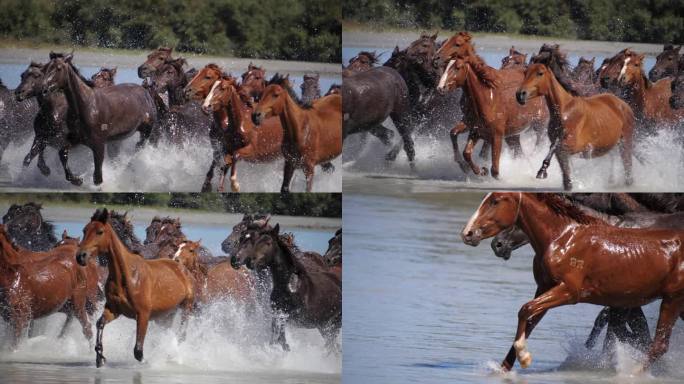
[65,109]
[445,87]
[165,274]
[621,251]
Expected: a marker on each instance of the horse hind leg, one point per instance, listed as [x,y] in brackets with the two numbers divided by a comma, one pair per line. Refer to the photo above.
[142,320]
[641,335]
[600,322]
[64,158]
[288,171]
[513,143]
[383,134]
[564,162]
[670,309]
[44,169]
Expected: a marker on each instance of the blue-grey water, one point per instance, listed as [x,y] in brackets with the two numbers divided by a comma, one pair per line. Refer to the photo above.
[225,343]
[422,307]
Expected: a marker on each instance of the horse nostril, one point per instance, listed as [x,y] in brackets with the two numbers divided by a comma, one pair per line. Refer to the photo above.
[498,244]
[469,234]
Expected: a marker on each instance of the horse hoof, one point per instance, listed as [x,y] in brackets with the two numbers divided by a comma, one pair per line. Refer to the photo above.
[99,361]
[206,187]
[45,171]
[138,353]
[235,187]
[629,181]
[27,162]
[77,181]
[484,171]
[525,359]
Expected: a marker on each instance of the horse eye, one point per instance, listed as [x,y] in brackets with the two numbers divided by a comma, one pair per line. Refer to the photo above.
[540,73]
[207,78]
[100,232]
[458,45]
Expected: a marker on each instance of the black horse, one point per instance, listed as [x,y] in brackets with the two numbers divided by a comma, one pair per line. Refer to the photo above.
[305,291]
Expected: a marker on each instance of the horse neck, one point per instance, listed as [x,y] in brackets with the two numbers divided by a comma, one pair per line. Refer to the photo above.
[478,92]
[557,98]
[637,96]
[118,264]
[177,92]
[79,95]
[236,116]
[291,118]
[539,223]
[282,268]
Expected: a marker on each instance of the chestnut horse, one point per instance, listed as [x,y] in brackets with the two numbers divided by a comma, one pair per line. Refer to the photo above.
[305,291]
[136,288]
[589,125]
[243,140]
[215,282]
[106,113]
[514,60]
[648,100]
[587,261]
[311,135]
[610,70]
[38,284]
[254,82]
[490,111]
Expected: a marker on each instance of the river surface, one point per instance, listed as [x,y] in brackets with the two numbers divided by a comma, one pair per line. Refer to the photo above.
[225,343]
[152,169]
[659,167]
[422,307]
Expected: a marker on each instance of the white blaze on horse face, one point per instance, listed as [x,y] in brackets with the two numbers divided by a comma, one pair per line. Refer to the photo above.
[472,220]
[445,75]
[207,101]
[624,69]
[176,255]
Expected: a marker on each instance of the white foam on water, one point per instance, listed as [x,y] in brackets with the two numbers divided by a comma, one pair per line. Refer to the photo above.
[224,337]
[662,169]
[155,169]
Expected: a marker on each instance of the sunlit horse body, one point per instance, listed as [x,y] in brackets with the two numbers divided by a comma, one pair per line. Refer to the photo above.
[581,259]
[589,125]
[38,284]
[311,136]
[106,113]
[136,288]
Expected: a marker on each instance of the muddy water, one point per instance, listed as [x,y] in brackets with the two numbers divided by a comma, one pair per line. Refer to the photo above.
[225,343]
[421,306]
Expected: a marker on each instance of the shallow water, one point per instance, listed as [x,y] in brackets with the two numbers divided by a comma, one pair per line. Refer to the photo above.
[659,165]
[421,306]
[227,342]
[152,169]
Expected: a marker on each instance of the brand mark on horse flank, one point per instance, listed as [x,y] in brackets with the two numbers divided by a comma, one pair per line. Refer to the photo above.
[104,127]
[576,263]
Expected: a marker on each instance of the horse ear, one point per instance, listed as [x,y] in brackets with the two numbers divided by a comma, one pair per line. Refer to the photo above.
[64,235]
[276,229]
[434,36]
[113,71]
[511,50]
[52,55]
[396,50]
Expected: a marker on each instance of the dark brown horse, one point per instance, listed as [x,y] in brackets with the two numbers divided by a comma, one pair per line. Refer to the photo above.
[311,136]
[16,119]
[584,71]
[310,88]
[154,60]
[136,288]
[362,62]
[26,227]
[589,125]
[669,63]
[230,244]
[38,284]
[304,289]
[586,261]
[490,111]
[677,87]
[105,113]
[219,281]
[104,77]
[648,100]
[243,140]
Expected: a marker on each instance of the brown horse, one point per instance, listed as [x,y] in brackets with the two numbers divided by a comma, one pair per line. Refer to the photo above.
[106,113]
[311,90]
[311,135]
[610,70]
[587,261]
[362,62]
[589,125]
[584,71]
[154,60]
[136,288]
[669,63]
[648,100]
[243,140]
[514,60]
[104,77]
[217,281]
[253,82]
[38,284]
[490,111]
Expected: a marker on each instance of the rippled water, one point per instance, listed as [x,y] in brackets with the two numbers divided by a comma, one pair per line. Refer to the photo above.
[152,169]
[661,167]
[421,306]
[227,342]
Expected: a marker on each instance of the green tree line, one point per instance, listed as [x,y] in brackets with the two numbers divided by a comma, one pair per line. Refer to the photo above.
[308,30]
[654,21]
[295,204]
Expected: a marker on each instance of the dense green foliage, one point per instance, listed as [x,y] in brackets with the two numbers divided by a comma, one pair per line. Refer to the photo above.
[654,21]
[307,30]
[295,204]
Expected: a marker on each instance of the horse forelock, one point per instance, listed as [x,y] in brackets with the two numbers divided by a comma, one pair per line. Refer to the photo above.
[566,208]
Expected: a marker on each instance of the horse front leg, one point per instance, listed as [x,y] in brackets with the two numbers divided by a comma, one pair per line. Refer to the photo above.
[44,169]
[309,168]
[542,174]
[64,158]
[600,322]
[278,331]
[288,171]
[206,187]
[669,310]
[513,143]
[468,155]
[98,156]
[453,134]
[639,326]
[142,320]
[509,360]
[564,162]
[496,154]
[107,316]
[36,147]
[554,297]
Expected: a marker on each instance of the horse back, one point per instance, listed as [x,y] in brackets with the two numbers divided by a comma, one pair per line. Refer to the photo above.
[370,97]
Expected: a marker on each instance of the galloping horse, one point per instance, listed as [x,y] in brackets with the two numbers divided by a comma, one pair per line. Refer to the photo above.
[253,82]
[105,113]
[230,244]
[514,60]
[243,140]
[490,111]
[362,62]
[55,124]
[584,71]
[303,287]
[677,87]
[136,288]
[38,284]
[215,282]
[609,71]
[311,91]
[26,227]
[590,125]
[648,100]
[586,261]
[311,136]
[669,63]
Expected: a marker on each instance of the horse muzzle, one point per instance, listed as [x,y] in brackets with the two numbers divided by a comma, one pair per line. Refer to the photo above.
[234,262]
[501,249]
[521,96]
[82,257]
[257,118]
[144,71]
[471,237]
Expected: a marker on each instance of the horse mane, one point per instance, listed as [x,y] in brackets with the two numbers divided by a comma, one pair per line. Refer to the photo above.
[126,225]
[486,74]
[372,56]
[286,242]
[563,207]
[55,55]
[284,82]
[178,64]
[557,62]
